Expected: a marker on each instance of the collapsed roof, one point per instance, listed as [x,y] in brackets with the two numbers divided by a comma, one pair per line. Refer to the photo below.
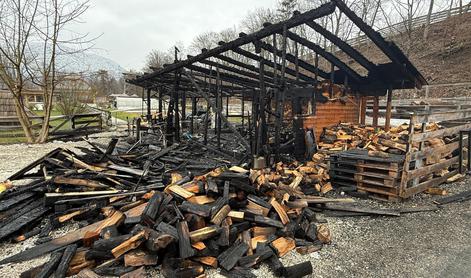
[257,72]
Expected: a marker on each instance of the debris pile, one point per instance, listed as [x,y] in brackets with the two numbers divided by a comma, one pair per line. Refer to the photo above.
[134,213]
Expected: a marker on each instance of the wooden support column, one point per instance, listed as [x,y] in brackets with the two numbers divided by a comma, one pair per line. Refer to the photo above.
[227,107]
[231,127]
[193,114]
[219,106]
[263,136]
[149,112]
[332,78]
[161,95]
[243,110]
[387,125]
[183,106]
[375,111]
[316,76]
[363,105]
[280,93]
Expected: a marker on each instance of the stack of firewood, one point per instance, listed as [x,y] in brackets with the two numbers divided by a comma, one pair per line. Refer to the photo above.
[345,136]
[132,217]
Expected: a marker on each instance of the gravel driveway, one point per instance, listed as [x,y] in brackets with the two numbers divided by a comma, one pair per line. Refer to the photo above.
[426,244]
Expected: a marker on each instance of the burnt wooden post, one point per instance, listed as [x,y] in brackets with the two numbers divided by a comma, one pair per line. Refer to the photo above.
[262,139]
[375,111]
[332,78]
[183,106]
[160,104]
[387,124]
[279,92]
[177,113]
[316,75]
[255,98]
[218,111]
[363,110]
[243,110]
[149,112]
[193,114]
[227,106]
[219,107]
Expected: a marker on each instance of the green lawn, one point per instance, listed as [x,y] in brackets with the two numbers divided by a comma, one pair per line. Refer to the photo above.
[122,115]
[17,135]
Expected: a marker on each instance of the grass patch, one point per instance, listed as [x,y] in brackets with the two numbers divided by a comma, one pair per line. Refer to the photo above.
[122,115]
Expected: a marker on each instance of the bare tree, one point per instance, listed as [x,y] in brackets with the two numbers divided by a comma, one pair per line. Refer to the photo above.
[427,23]
[157,59]
[33,34]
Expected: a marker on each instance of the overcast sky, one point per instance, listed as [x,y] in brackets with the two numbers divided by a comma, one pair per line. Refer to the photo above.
[132,28]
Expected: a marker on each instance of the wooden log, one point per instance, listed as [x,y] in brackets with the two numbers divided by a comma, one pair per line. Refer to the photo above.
[157,241]
[138,273]
[152,209]
[80,182]
[87,273]
[23,218]
[167,229]
[275,265]
[13,201]
[201,210]
[110,243]
[140,258]
[221,215]
[247,238]
[115,218]
[283,245]
[229,258]
[305,250]
[130,244]
[49,267]
[114,271]
[204,233]
[179,191]
[251,260]
[280,210]
[201,200]
[298,270]
[67,256]
[263,231]
[184,243]
[209,261]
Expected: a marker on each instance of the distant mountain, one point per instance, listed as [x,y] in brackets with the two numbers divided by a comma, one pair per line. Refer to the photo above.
[70,61]
[88,62]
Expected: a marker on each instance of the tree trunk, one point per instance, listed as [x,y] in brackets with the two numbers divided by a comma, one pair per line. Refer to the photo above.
[44,133]
[23,118]
[427,23]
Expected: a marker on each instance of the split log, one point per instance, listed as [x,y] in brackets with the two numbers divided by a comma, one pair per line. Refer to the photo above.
[157,241]
[280,210]
[69,253]
[87,273]
[152,208]
[209,261]
[283,245]
[184,243]
[140,258]
[299,270]
[138,273]
[130,244]
[114,219]
[204,233]
[220,215]
[229,258]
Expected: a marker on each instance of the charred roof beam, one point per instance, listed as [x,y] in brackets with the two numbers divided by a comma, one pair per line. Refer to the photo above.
[345,47]
[295,21]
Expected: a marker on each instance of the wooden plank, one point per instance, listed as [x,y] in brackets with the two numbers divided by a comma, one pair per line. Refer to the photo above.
[422,186]
[115,218]
[420,137]
[425,170]
[69,253]
[363,210]
[440,150]
[443,116]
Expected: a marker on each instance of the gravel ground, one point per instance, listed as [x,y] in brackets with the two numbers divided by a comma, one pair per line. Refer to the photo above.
[426,244]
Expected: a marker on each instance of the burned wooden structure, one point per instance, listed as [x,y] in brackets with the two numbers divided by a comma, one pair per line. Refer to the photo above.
[259,68]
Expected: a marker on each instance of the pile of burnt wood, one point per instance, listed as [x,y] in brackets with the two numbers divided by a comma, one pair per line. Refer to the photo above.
[134,212]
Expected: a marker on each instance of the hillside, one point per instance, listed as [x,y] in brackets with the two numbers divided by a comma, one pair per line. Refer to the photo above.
[444,58]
